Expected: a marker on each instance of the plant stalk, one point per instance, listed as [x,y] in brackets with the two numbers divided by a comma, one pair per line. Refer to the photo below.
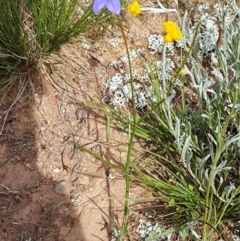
[132,130]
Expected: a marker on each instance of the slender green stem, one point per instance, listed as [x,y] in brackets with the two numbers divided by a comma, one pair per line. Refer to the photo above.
[169,112]
[130,143]
[182,85]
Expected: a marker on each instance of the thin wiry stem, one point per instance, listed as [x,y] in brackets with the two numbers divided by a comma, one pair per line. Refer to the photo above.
[130,144]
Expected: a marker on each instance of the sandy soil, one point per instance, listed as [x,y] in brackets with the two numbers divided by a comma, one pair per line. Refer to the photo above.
[50,190]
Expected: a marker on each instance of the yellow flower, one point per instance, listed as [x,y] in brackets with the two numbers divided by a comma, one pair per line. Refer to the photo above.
[134,8]
[169,27]
[183,71]
[177,35]
[191,188]
[168,38]
[172,32]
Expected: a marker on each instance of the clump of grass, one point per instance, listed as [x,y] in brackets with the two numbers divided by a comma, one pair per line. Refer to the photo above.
[58,22]
[13,38]
[31,30]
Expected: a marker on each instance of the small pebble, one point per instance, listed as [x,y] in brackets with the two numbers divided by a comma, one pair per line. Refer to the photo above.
[56,170]
[62,188]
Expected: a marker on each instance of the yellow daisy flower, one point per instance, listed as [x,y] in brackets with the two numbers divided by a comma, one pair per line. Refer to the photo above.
[183,71]
[169,27]
[172,32]
[177,35]
[168,38]
[134,8]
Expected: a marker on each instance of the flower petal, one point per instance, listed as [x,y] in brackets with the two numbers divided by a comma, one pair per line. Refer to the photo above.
[114,6]
[168,38]
[134,8]
[98,5]
[177,34]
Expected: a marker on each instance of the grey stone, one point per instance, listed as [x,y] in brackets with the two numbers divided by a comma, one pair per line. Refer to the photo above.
[62,188]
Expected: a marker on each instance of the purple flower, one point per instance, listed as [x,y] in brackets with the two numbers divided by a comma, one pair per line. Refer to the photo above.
[113,6]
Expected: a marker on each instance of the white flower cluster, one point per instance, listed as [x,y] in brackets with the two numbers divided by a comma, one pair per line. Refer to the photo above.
[212,23]
[156,43]
[115,41]
[119,87]
[145,228]
[149,230]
